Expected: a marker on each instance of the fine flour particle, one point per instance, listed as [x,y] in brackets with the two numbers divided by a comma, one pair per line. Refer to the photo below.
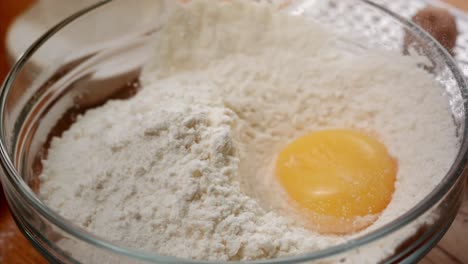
[181,168]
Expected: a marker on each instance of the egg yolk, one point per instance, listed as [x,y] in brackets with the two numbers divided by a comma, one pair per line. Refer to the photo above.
[342,178]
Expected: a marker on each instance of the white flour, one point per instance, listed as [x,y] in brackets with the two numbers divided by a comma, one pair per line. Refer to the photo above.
[180,168]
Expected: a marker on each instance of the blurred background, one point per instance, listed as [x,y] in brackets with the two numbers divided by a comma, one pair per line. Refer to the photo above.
[22,21]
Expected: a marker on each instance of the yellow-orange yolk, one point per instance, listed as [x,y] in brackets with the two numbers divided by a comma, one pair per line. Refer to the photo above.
[342,178]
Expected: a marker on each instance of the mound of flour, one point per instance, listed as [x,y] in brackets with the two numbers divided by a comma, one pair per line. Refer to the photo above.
[178,169]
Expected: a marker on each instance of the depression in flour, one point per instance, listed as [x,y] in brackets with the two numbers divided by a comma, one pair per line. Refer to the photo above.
[184,167]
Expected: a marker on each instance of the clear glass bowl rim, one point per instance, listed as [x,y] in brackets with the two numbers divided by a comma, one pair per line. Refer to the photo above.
[452,176]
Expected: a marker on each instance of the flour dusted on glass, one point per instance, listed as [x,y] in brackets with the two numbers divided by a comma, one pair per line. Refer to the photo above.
[184,167]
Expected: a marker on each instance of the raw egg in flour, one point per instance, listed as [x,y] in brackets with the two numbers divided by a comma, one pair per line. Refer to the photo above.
[341,179]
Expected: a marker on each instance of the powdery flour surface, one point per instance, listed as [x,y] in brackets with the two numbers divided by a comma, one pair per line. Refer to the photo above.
[178,169]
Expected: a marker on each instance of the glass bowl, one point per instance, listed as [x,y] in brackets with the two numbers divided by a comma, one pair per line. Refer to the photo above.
[52,83]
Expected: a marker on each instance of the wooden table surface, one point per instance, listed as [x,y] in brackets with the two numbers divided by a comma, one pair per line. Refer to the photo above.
[15,249]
